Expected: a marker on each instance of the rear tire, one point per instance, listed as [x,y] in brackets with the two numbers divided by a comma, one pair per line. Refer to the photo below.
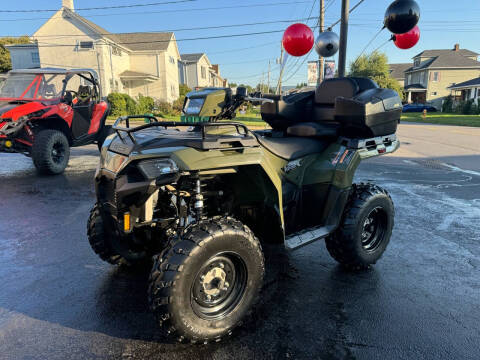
[365,230]
[206,282]
[50,152]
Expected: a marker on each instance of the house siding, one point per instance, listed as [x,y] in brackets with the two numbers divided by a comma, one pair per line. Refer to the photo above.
[447,78]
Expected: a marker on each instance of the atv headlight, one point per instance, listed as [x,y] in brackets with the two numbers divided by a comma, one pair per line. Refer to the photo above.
[153,169]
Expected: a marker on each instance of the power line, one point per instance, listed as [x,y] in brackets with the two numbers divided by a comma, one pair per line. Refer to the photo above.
[167,41]
[171,30]
[101,7]
[168,11]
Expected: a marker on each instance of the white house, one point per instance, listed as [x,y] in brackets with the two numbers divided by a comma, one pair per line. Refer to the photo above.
[133,63]
[196,71]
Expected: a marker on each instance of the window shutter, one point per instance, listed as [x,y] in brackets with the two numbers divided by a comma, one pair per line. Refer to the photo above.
[439,76]
[431,76]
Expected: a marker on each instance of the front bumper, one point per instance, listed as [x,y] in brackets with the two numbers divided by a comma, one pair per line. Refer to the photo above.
[14,145]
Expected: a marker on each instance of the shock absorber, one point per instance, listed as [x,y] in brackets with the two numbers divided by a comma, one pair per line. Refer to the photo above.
[198,205]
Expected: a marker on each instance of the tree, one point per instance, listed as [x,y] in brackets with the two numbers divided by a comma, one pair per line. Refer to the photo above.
[375,66]
[301,85]
[5,61]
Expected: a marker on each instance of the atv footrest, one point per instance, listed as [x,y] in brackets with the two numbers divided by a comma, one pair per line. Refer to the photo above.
[305,237]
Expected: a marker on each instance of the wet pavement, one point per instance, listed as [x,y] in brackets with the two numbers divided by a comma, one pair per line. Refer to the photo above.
[421,301]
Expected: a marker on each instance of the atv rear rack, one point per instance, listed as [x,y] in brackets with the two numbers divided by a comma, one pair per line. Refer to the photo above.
[371,147]
[208,141]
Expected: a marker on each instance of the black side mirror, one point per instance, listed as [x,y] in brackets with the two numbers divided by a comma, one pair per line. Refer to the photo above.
[242,92]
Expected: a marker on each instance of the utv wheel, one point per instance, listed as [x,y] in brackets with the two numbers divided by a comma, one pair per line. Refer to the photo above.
[207,281]
[50,152]
[101,243]
[105,132]
[365,229]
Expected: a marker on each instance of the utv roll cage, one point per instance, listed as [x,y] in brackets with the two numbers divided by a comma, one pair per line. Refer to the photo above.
[89,75]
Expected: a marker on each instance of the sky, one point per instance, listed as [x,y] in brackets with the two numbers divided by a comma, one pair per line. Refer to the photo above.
[245,59]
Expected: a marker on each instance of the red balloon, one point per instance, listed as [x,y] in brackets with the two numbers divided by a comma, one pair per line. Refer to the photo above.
[407,40]
[298,39]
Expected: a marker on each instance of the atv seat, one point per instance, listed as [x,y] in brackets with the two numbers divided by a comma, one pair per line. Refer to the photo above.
[292,148]
[315,130]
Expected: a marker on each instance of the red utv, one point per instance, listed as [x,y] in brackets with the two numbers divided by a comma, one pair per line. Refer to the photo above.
[44,112]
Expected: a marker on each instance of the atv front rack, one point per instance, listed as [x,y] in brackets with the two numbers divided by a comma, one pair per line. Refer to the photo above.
[242,138]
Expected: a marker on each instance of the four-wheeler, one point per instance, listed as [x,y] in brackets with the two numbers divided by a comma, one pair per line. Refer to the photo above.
[202,197]
[44,112]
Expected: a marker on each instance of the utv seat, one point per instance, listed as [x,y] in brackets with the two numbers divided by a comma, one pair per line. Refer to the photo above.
[82,111]
[292,148]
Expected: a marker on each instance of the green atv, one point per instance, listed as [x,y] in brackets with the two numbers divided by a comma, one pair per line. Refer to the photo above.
[202,197]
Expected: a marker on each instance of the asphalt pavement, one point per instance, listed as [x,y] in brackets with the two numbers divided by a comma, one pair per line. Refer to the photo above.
[420,301]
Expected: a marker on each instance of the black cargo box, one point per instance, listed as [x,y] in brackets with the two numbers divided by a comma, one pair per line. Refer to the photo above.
[374,112]
[357,106]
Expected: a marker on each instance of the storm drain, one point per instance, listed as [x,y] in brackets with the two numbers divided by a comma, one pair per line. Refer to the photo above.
[432,164]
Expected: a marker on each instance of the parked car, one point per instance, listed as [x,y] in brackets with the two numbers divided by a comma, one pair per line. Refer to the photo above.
[418,108]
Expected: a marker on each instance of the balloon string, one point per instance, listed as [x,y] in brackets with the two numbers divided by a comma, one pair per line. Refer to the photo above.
[385,43]
[371,41]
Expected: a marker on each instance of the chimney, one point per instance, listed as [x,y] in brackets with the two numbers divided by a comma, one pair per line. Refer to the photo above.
[68,4]
[456,47]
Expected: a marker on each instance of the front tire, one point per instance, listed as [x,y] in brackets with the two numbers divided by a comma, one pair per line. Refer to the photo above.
[365,230]
[104,133]
[207,281]
[50,152]
[101,242]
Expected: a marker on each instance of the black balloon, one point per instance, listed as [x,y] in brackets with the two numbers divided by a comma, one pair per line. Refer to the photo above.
[402,16]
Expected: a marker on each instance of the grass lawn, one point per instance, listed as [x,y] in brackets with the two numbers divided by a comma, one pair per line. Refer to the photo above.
[444,119]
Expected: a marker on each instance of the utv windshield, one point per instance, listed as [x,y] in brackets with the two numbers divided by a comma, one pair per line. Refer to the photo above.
[32,86]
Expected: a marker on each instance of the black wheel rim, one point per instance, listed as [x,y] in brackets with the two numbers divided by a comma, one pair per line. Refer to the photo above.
[219,286]
[373,229]
[58,153]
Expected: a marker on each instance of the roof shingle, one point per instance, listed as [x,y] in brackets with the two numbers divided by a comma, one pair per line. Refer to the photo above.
[134,41]
[397,71]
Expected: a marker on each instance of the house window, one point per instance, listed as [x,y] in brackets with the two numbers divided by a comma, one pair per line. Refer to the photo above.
[116,51]
[434,93]
[409,79]
[35,58]
[416,62]
[435,76]
[422,77]
[172,60]
[204,72]
[85,45]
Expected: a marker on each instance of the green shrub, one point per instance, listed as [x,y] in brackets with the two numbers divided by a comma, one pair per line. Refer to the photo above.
[447,106]
[177,106]
[163,108]
[131,105]
[145,104]
[118,105]
[467,107]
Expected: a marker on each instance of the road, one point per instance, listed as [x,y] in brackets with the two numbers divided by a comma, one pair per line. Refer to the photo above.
[421,300]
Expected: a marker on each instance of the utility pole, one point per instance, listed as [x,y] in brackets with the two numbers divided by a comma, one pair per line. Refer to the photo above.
[321,22]
[279,86]
[268,78]
[342,56]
